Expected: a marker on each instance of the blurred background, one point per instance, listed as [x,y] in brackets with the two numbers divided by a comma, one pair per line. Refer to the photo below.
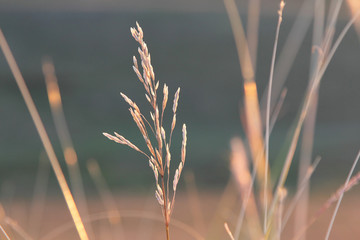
[192,47]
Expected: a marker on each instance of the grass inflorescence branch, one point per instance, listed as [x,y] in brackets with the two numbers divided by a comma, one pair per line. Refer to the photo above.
[158,146]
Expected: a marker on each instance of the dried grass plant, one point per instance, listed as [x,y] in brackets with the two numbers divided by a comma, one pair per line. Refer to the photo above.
[266,206]
[274,215]
[159,155]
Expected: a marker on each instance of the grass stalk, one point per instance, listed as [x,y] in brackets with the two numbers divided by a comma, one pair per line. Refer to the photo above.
[251,102]
[4,232]
[252,30]
[44,137]
[277,109]
[240,171]
[228,231]
[63,132]
[302,187]
[310,121]
[268,104]
[334,198]
[159,157]
[279,218]
[341,197]
[289,52]
[354,6]
[165,209]
[19,230]
[299,122]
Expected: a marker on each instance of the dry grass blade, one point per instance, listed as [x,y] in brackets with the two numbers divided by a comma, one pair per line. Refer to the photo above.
[299,192]
[44,137]
[228,231]
[254,132]
[267,127]
[4,232]
[253,29]
[63,132]
[244,180]
[341,194]
[19,230]
[350,183]
[304,110]
[247,69]
[289,52]
[310,121]
[2,217]
[251,101]
[283,195]
[277,109]
[334,10]
[354,6]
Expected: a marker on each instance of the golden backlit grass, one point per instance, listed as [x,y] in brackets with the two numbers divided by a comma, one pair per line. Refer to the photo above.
[265,207]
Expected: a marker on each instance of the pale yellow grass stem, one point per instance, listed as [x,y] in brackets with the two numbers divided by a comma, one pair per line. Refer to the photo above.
[251,101]
[341,196]
[228,231]
[301,188]
[2,217]
[19,230]
[4,232]
[303,113]
[244,180]
[277,109]
[354,6]
[267,126]
[310,121]
[63,133]
[44,137]
[253,30]
[289,52]
[240,40]
[335,197]
[283,195]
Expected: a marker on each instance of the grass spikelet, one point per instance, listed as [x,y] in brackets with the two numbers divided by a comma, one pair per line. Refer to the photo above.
[160,155]
[176,100]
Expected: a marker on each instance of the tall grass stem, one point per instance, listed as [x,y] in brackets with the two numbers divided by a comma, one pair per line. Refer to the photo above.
[44,137]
